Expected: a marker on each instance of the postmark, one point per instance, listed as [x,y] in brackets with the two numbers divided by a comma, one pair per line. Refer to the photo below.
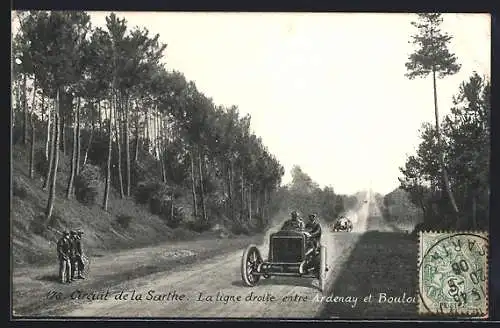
[453,274]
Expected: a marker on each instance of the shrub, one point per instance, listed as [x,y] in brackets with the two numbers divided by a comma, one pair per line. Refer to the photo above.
[48,229]
[145,191]
[138,173]
[41,162]
[199,225]
[239,229]
[173,220]
[88,185]
[161,196]
[98,153]
[124,220]
[19,188]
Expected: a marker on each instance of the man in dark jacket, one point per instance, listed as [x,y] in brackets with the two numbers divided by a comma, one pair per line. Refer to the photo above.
[64,255]
[77,254]
[314,229]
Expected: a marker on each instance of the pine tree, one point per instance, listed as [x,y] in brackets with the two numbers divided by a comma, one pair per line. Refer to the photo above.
[432,57]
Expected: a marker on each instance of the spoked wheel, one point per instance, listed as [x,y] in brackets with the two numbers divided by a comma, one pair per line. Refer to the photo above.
[249,263]
[322,269]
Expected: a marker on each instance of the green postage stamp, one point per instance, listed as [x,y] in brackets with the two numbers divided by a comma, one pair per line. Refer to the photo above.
[453,274]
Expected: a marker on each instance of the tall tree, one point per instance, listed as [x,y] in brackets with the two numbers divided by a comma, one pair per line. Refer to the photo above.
[22,49]
[54,50]
[116,28]
[432,56]
[33,130]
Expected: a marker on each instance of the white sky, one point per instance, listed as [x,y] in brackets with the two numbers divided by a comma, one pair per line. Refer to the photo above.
[326,91]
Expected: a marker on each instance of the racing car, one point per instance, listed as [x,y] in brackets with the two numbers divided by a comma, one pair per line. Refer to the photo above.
[291,253]
[342,224]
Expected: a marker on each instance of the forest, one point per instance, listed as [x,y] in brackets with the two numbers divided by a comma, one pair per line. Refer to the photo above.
[105,99]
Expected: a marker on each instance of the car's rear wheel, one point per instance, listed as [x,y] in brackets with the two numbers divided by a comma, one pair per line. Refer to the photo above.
[322,268]
[249,263]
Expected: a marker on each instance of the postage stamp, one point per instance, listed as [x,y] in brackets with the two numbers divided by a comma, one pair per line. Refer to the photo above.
[453,274]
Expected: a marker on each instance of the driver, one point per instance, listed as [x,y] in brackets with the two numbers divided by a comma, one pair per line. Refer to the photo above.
[295,222]
[342,222]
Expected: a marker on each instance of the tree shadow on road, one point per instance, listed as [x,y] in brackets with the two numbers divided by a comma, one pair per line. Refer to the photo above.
[381,262]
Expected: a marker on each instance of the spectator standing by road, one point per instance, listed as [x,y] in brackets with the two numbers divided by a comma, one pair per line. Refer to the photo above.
[64,255]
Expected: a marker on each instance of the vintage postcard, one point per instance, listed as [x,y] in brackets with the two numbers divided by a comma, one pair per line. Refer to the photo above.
[250,165]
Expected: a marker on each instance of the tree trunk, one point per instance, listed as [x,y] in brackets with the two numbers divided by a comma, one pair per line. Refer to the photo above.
[156,134]
[88,146]
[148,148]
[99,118]
[91,135]
[25,111]
[249,203]
[162,149]
[127,144]
[230,189]
[53,147]
[166,140]
[119,147]
[33,132]
[136,153]
[17,95]
[63,135]
[193,185]
[202,193]
[266,202]
[78,137]
[446,180]
[474,211]
[47,138]
[55,153]
[108,164]
[242,195]
[69,189]
[172,205]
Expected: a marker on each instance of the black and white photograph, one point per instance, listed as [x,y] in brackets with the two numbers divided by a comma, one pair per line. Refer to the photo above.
[234,165]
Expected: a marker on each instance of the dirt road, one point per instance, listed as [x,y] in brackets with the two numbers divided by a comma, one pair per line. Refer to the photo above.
[207,288]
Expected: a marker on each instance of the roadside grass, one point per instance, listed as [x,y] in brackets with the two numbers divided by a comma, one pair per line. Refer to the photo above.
[381,262]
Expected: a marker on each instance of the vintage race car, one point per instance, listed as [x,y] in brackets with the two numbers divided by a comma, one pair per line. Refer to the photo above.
[342,224]
[291,253]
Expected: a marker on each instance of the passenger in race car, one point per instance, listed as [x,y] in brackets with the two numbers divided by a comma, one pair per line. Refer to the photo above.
[313,229]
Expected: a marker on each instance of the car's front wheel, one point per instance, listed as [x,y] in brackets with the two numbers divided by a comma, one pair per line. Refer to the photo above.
[250,262]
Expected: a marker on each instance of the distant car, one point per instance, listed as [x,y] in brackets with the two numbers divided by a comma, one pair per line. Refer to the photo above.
[342,224]
[366,201]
